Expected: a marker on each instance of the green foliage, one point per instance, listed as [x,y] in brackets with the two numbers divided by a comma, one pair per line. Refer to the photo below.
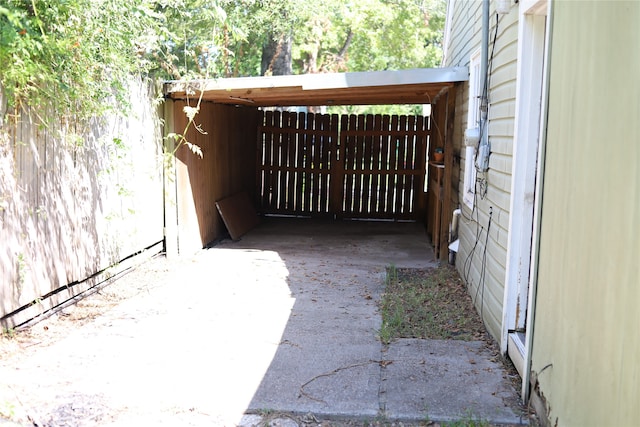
[7,409]
[71,55]
[389,35]
[400,109]
[8,333]
[330,36]
[190,40]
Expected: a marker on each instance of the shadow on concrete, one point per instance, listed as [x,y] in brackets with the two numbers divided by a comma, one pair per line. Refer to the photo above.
[329,360]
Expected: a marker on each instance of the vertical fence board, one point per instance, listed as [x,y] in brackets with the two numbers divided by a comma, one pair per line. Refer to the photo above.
[299,164]
[393,166]
[366,165]
[265,148]
[410,164]
[383,196]
[359,165]
[325,164]
[401,180]
[350,163]
[335,178]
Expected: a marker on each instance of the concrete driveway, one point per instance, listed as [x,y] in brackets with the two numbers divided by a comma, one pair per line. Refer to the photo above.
[284,320]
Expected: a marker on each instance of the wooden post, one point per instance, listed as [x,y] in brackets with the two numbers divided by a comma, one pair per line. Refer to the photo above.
[169,182]
[447,209]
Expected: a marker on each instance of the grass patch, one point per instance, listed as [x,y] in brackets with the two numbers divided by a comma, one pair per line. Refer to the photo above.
[428,303]
[469,420]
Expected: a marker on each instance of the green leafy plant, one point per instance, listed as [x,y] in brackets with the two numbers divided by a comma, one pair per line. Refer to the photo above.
[7,410]
[70,56]
[8,332]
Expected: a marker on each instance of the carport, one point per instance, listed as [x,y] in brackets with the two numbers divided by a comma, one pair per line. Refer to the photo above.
[312,165]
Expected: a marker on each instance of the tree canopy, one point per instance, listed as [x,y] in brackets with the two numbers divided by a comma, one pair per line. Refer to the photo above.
[73,54]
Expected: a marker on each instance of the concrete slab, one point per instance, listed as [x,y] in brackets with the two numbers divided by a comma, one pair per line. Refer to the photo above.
[285,319]
[336,275]
[445,381]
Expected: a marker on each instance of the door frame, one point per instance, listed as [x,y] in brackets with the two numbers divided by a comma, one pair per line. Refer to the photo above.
[531,81]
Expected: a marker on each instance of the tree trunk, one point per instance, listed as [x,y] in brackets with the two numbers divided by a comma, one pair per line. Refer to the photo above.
[276,56]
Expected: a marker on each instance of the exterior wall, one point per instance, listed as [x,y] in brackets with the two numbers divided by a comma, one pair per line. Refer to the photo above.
[76,198]
[481,259]
[227,167]
[585,340]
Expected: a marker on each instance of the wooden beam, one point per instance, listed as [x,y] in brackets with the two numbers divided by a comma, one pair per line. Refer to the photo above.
[447,210]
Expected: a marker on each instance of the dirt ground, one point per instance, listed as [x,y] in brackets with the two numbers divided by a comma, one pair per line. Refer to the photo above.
[26,342]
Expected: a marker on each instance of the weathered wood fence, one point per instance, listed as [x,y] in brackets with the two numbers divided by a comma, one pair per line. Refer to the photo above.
[345,167]
[75,199]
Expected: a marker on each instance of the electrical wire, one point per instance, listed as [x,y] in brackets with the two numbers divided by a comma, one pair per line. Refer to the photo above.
[483,269]
[480,189]
[483,180]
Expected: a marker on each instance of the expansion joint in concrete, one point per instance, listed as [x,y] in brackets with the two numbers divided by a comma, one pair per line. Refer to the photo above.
[382,388]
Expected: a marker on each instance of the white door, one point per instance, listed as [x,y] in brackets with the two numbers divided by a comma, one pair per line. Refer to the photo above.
[527,131]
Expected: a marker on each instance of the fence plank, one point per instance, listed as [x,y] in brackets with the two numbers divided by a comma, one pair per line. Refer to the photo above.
[367,165]
[393,165]
[376,179]
[335,178]
[383,197]
[409,187]
[359,166]
[294,122]
[402,163]
[325,165]
[349,148]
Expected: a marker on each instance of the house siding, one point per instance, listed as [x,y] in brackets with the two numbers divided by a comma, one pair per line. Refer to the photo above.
[585,340]
[482,264]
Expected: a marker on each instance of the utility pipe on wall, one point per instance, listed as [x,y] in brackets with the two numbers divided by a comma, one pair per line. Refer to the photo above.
[454,242]
[484,65]
[482,155]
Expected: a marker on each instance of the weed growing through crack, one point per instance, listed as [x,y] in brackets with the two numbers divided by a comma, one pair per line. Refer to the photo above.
[8,333]
[469,420]
[7,410]
[429,304]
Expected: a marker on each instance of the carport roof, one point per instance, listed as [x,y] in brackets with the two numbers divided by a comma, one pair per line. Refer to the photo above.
[413,86]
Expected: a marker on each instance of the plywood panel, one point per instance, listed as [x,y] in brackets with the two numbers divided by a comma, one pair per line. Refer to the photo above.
[238,214]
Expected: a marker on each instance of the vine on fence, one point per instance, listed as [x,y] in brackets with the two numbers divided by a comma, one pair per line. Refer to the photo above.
[74,58]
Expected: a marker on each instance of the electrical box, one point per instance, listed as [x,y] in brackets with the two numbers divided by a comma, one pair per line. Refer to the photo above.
[471,136]
[482,160]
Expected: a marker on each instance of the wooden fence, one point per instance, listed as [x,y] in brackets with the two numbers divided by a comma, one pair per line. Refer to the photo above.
[346,167]
[75,199]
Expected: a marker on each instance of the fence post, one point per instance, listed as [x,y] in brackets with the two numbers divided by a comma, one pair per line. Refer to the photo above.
[169,182]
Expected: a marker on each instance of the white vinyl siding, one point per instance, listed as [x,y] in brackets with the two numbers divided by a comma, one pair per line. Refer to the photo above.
[473,121]
[483,268]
